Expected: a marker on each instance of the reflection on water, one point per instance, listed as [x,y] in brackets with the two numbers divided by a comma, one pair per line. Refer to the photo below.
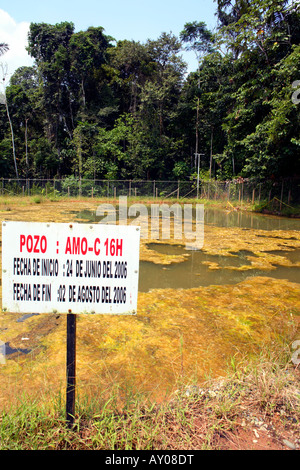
[10,351]
[249,220]
[27,315]
[193,273]
[221,218]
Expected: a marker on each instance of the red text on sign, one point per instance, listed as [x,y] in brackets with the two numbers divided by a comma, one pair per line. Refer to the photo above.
[33,243]
[79,246]
[113,247]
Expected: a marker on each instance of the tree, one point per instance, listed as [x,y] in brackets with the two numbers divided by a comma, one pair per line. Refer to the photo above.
[72,78]
[25,98]
[205,100]
[3,100]
[131,69]
[4,77]
[49,46]
[262,123]
[159,93]
[257,24]
[99,109]
[3,48]
[273,147]
[88,53]
[200,40]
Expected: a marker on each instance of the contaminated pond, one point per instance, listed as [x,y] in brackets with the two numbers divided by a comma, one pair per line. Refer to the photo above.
[198,309]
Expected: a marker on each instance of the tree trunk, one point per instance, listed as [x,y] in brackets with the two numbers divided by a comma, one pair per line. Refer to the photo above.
[12,138]
[197,124]
[211,152]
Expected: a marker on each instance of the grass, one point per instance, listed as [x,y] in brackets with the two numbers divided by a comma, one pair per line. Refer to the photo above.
[277,208]
[192,418]
[220,203]
[37,199]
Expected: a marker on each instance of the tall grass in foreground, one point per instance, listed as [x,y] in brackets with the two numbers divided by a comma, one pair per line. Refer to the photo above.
[193,418]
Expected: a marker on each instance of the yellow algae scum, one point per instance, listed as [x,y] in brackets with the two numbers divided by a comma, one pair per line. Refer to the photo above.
[177,334]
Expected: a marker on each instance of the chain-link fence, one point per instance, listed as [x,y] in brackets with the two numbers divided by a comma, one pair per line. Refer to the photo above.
[284,192]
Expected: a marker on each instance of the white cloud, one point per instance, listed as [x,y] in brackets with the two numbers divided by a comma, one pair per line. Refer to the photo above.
[15,35]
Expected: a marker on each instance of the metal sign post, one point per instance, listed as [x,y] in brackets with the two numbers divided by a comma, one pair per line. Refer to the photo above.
[71,368]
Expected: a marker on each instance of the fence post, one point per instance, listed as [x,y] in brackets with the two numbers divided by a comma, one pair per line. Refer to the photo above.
[281,196]
[71,368]
[209,189]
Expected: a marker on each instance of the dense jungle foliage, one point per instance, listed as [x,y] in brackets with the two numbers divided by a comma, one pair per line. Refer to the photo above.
[97,108]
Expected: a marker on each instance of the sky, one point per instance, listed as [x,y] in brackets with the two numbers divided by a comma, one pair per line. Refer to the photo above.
[122,19]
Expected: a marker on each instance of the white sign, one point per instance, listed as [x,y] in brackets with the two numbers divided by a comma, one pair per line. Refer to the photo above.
[70,268]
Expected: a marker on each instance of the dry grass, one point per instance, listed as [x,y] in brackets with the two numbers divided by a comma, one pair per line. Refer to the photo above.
[193,418]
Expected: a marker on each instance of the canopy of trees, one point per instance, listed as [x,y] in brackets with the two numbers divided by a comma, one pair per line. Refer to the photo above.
[97,108]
